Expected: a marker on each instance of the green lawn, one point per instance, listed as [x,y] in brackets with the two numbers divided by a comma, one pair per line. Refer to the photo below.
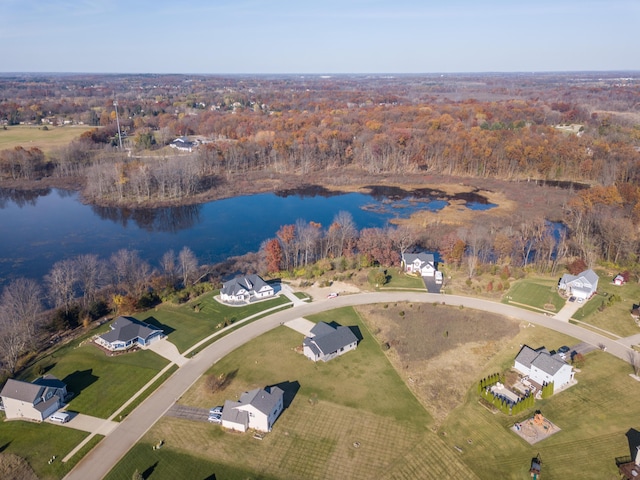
[186,326]
[357,398]
[593,417]
[101,383]
[402,280]
[616,318]
[38,442]
[33,136]
[169,464]
[537,292]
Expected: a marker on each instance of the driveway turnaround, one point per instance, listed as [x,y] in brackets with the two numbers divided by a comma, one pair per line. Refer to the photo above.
[115,445]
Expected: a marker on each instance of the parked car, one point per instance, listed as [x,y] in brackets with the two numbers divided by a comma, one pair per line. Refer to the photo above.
[215,418]
[563,349]
[332,295]
[60,417]
[215,410]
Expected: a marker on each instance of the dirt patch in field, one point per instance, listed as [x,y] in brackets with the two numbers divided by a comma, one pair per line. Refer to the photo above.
[439,350]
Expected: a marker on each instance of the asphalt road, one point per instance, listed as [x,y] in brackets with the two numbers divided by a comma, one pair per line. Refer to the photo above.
[113,447]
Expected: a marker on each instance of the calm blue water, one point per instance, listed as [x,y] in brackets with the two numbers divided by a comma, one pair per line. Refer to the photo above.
[37,232]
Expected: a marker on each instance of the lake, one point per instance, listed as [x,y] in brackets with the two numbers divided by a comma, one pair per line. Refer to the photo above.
[38,228]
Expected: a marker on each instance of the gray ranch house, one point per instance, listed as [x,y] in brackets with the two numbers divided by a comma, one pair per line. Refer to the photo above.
[245,289]
[127,332]
[327,342]
[33,401]
[581,286]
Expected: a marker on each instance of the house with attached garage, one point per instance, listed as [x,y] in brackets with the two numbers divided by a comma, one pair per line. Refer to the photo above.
[541,367]
[33,401]
[257,409]
[127,332]
[327,341]
[423,264]
[581,286]
[183,144]
[245,289]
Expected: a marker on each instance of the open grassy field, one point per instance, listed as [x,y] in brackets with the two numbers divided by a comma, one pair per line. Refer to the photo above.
[187,325]
[357,399]
[616,318]
[101,383]
[37,443]
[34,136]
[538,292]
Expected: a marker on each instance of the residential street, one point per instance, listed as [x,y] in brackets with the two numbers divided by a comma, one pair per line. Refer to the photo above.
[115,445]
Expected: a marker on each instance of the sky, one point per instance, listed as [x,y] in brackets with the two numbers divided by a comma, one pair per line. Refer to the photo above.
[318,36]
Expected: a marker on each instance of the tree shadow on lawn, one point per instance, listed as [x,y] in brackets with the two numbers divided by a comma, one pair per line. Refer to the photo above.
[290,390]
[147,473]
[79,380]
[165,328]
[5,446]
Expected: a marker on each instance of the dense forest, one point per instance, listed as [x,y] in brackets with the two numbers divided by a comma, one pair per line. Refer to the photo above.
[578,127]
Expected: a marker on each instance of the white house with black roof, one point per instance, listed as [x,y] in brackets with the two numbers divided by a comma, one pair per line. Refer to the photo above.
[541,367]
[257,409]
[33,401]
[127,332]
[245,289]
[327,341]
[183,144]
[423,264]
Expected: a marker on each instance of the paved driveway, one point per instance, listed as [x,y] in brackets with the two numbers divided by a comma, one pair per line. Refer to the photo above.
[431,285]
[301,325]
[168,350]
[87,423]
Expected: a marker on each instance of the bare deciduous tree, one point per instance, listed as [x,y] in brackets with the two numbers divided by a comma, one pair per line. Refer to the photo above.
[20,307]
[61,282]
[188,264]
[91,273]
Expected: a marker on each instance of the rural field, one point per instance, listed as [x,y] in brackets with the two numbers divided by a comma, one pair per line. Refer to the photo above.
[333,407]
[34,136]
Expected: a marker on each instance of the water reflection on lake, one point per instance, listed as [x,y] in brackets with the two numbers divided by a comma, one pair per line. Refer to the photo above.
[41,227]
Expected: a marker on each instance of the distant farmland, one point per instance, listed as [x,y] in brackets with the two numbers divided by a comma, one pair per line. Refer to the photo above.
[34,136]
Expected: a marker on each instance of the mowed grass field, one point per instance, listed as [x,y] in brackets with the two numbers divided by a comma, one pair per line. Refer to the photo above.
[537,292]
[352,417]
[186,326]
[28,136]
[101,383]
[37,443]
[593,417]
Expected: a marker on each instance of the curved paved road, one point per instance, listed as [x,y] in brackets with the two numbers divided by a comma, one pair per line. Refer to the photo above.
[113,447]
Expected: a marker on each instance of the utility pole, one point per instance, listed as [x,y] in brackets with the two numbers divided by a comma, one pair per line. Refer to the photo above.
[115,104]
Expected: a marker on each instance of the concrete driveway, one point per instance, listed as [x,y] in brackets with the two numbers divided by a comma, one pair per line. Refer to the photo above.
[168,350]
[567,311]
[87,423]
[301,325]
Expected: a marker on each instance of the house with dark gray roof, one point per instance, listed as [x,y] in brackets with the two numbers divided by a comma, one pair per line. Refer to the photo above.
[541,367]
[327,341]
[581,286]
[245,289]
[257,409]
[127,332]
[33,401]
[183,144]
[423,264]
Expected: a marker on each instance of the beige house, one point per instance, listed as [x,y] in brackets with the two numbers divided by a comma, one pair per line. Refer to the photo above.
[33,401]
[257,409]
